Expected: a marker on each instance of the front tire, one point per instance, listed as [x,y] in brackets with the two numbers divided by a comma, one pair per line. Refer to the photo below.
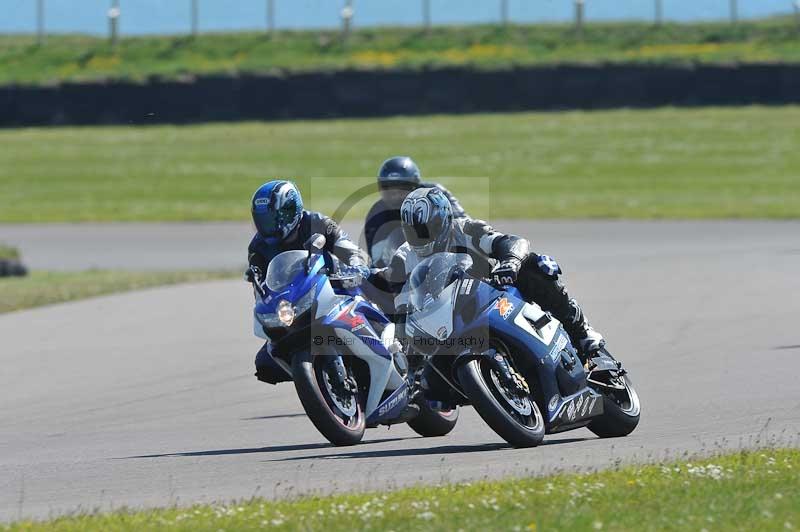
[518,429]
[340,419]
[432,423]
[621,411]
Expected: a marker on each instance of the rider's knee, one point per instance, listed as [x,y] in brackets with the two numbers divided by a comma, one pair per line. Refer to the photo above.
[541,266]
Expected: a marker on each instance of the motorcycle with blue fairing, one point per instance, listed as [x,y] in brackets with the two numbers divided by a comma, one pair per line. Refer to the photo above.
[514,363]
[340,350]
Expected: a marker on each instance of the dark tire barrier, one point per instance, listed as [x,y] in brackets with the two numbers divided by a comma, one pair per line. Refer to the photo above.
[353,93]
[12,268]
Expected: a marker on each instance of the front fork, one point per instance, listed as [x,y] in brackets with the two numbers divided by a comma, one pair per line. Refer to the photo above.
[509,377]
[339,375]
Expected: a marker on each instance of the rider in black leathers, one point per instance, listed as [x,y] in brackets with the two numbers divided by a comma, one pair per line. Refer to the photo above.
[429,227]
[283,225]
[397,177]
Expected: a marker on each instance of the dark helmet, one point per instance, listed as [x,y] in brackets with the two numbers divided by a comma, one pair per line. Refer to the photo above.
[277,208]
[396,178]
[427,219]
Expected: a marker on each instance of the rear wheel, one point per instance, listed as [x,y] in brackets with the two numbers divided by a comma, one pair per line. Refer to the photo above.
[512,414]
[620,409]
[329,394]
[432,423]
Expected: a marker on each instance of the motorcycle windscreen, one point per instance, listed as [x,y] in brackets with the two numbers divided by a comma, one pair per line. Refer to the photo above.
[284,269]
[431,276]
[436,319]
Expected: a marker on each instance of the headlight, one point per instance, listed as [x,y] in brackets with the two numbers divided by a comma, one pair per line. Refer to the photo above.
[285,313]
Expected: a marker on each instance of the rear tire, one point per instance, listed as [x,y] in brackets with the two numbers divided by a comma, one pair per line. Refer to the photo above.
[330,421]
[620,417]
[433,423]
[472,378]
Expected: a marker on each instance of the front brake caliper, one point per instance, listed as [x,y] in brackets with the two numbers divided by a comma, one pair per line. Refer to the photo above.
[508,375]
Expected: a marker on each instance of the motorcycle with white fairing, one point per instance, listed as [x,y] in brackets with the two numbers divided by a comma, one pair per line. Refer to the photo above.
[340,350]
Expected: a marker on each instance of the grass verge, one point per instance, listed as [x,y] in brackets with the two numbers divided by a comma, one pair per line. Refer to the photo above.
[7,252]
[46,288]
[76,58]
[663,163]
[744,491]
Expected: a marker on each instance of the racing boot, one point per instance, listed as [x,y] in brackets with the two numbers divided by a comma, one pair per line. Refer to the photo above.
[585,339]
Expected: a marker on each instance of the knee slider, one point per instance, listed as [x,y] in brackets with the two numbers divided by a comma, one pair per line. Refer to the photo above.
[548,266]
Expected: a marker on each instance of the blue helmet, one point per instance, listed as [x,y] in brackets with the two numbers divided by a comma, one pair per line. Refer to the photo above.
[427,219]
[277,208]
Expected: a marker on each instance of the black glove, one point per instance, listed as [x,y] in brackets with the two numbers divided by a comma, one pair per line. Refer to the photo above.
[505,273]
[252,274]
[356,273]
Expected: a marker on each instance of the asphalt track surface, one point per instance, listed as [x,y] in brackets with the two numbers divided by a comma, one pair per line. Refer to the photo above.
[147,399]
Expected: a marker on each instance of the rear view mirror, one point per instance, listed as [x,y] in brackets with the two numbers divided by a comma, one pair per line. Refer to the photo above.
[314,246]
[315,243]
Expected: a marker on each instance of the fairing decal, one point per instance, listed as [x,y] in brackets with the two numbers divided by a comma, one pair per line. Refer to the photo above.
[391,407]
[575,408]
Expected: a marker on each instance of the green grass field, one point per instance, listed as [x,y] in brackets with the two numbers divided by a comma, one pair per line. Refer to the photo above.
[47,288]
[666,163]
[72,57]
[744,491]
[7,252]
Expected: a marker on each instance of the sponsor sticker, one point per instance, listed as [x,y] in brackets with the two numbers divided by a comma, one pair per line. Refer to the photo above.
[466,287]
[505,307]
[393,402]
[558,346]
[571,411]
[261,202]
[589,405]
[553,403]
[442,332]
[349,317]
[579,407]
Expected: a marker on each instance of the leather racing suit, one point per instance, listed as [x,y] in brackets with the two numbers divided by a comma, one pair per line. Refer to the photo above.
[261,252]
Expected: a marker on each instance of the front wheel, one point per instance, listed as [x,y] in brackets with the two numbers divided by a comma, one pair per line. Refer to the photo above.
[432,423]
[515,417]
[329,394]
[621,409]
